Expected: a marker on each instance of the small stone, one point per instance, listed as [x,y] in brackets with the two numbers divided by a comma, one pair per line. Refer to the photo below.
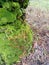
[39,63]
[25,64]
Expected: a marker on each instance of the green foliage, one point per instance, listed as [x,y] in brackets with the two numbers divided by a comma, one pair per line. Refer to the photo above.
[23,3]
[14,42]
[6,16]
[9,11]
[15,35]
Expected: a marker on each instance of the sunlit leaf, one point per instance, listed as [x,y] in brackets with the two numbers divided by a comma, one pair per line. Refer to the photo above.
[6,16]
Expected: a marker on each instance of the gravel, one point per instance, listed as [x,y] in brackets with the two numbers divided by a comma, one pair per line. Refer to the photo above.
[39,22]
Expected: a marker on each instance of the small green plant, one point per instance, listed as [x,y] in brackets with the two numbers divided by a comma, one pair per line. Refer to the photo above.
[14,43]
[15,34]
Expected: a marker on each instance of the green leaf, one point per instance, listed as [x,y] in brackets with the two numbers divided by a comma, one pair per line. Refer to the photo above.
[6,16]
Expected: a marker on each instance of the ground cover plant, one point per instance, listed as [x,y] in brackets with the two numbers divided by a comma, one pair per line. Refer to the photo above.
[15,33]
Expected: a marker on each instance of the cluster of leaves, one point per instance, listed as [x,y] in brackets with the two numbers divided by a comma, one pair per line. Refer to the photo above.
[13,10]
[9,12]
[14,43]
[15,35]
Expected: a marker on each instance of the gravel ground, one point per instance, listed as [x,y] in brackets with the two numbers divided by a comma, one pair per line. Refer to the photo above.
[40,56]
[39,22]
[37,18]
